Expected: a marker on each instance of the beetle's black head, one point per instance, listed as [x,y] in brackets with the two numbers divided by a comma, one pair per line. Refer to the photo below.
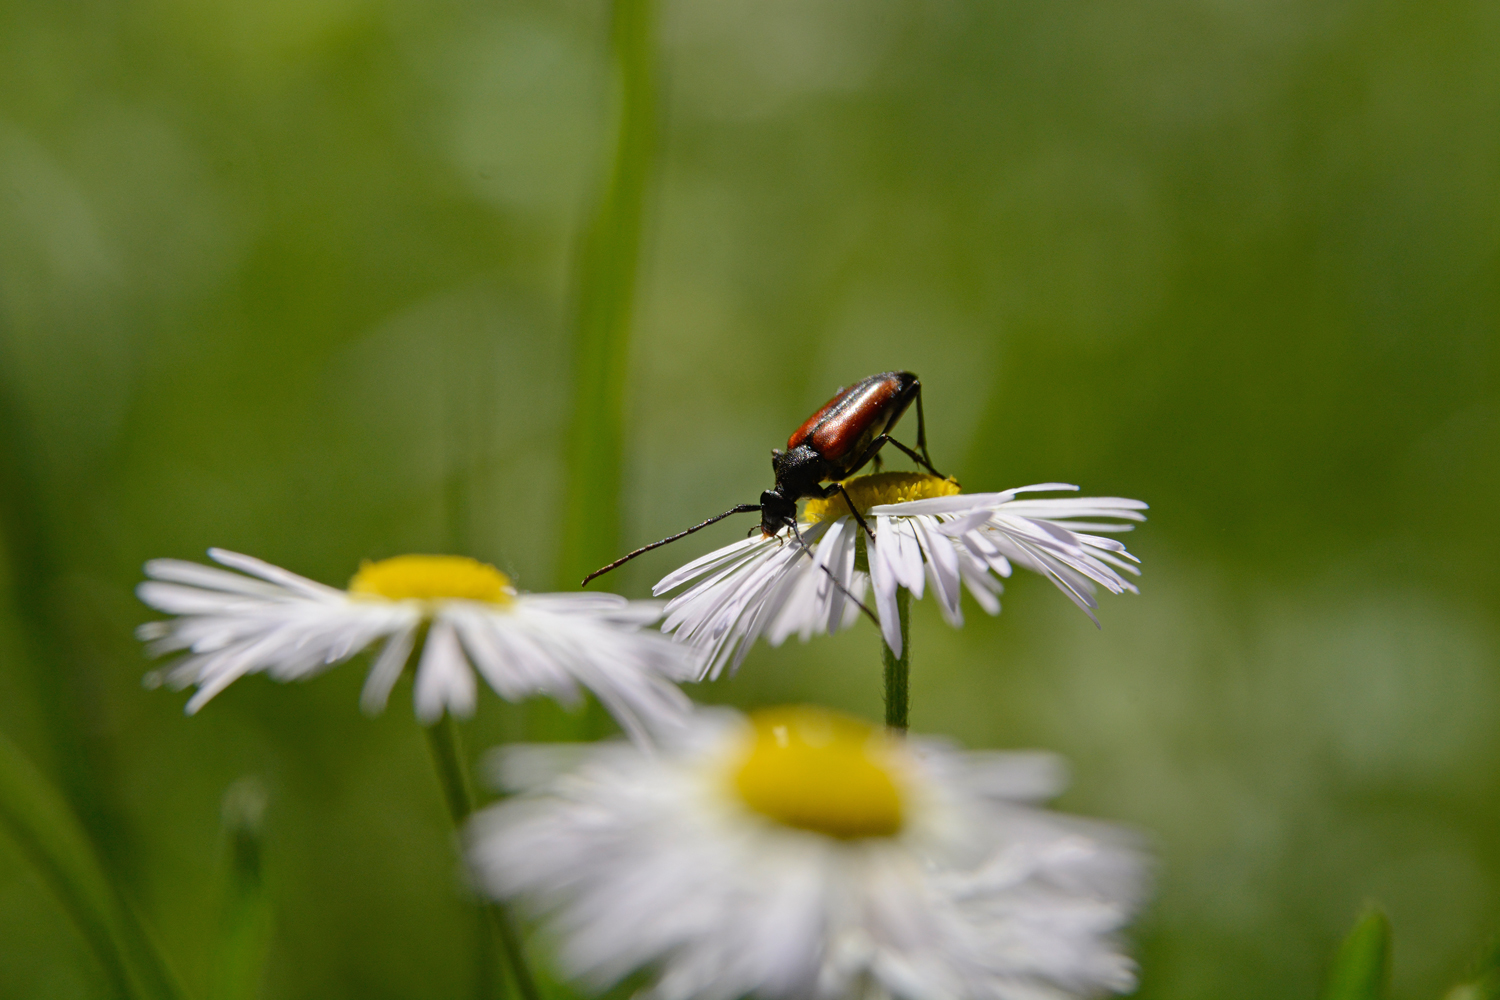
[776,512]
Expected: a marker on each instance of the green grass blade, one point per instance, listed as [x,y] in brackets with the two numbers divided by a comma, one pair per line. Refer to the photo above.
[48,833]
[606,276]
[32,536]
[1359,969]
[246,933]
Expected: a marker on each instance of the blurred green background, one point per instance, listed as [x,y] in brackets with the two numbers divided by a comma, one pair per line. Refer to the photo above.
[293,277]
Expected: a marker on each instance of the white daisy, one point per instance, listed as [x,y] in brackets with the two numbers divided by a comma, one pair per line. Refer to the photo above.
[800,853]
[927,533]
[264,618]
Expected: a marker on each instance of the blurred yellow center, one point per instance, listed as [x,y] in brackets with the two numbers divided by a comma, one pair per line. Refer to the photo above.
[882,487]
[432,578]
[817,770]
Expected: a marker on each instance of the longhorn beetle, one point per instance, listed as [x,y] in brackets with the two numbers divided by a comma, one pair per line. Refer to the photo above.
[834,443]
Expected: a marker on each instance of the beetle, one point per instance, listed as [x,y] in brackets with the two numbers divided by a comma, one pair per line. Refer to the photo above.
[837,441]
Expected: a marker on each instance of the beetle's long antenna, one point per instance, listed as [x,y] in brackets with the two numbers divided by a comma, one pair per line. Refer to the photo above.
[744,508]
[807,550]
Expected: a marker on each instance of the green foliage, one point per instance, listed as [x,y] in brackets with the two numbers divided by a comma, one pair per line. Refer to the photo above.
[40,823]
[1362,966]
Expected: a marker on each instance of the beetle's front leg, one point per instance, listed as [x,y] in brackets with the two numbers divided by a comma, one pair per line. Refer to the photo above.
[833,488]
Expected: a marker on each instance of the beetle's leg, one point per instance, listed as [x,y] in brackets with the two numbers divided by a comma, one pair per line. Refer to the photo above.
[922,433]
[830,490]
[920,460]
[876,461]
[872,453]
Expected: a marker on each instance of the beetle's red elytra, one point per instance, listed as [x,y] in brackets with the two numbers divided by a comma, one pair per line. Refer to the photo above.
[854,417]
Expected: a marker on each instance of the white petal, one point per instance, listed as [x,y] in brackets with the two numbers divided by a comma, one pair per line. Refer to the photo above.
[883,579]
[983,587]
[386,671]
[961,502]
[743,598]
[535,647]
[209,578]
[444,680]
[942,566]
[275,574]
[705,564]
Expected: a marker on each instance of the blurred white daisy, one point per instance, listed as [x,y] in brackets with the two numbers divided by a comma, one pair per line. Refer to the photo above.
[804,854]
[466,613]
[927,534]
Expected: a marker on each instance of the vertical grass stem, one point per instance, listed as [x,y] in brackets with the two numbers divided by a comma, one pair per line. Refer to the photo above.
[605,276]
[245,937]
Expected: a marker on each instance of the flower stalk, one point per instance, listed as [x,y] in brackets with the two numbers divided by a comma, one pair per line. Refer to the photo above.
[447,758]
[898,668]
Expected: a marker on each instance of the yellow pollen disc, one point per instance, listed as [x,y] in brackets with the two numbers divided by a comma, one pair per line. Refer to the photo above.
[882,487]
[818,770]
[432,578]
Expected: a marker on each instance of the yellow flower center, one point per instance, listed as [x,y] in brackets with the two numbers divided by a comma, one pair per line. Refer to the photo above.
[432,578]
[882,487]
[818,770]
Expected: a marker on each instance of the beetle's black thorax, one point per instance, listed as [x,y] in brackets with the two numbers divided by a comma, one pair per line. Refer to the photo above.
[799,471]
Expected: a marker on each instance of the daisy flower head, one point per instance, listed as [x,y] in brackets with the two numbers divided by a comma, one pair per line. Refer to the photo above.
[254,617]
[800,853]
[927,535]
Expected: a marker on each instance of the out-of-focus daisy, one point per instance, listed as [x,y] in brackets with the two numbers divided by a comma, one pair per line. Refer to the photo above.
[466,614]
[927,534]
[800,853]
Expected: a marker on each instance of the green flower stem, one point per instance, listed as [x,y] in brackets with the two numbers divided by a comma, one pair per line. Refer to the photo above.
[51,837]
[609,249]
[897,668]
[442,739]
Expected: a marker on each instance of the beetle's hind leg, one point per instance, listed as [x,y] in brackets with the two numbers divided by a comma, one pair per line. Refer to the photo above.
[872,454]
[924,459]
[921,460]
[922,432]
